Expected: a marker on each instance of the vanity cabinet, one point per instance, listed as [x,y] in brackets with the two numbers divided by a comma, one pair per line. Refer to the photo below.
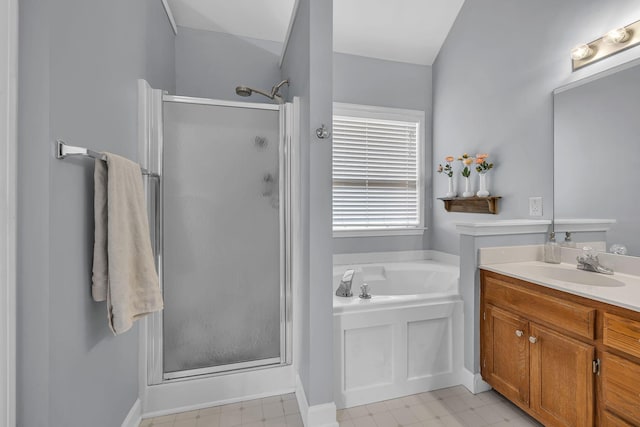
[564,359]
[544,372]
[561,379]
[505,362]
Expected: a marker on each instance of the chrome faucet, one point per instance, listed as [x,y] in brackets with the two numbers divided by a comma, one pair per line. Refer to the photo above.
[364,291]
[589,261]
[344,290]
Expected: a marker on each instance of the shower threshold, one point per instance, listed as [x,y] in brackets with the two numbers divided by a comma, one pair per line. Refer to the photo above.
[224,369]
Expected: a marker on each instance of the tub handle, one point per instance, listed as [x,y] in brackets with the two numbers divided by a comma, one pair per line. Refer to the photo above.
[519,333]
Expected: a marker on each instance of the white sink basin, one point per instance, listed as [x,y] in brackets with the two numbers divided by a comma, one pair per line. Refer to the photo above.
[576,276]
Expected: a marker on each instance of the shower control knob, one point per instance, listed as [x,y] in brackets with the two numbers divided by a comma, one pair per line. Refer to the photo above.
[533,340]
[519,333]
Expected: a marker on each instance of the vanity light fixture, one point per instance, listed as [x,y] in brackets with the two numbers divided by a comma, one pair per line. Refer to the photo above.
[614,41]
[581,52]
[617,36]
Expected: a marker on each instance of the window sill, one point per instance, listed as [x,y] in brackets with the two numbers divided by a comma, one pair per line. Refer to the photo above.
[379,232]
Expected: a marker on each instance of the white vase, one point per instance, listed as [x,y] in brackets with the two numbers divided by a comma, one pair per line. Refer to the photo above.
[483,192]
[451,192]
[467,188]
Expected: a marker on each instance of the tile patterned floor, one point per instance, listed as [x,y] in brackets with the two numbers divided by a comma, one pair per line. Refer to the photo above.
[275,411]
[450,407]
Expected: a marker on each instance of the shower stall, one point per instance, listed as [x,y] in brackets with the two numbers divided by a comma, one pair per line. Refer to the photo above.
[222,238]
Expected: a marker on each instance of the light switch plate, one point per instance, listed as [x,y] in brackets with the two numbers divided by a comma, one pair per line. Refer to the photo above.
[535,206]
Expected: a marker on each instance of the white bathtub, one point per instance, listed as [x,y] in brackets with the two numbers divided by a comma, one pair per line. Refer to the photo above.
[406,339]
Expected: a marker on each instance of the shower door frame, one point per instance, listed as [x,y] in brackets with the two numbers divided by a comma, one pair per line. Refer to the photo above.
[8,211]
[154,325]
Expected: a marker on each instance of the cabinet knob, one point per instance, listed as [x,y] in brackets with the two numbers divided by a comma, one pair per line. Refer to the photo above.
[519,333]
[533,340]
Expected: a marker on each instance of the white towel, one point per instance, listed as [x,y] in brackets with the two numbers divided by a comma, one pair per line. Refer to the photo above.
[124,272]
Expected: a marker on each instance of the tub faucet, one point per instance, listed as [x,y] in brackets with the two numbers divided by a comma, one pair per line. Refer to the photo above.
[589,261]
[344,290]
[364,291]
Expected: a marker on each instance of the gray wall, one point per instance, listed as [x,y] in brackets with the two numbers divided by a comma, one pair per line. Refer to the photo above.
[371,81]
[210,64]
[160,48]
[34,156]
[496,96]
[308,62]
[79,65]
[492,87]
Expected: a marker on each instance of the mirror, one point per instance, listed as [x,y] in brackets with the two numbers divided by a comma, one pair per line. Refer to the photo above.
[597,153]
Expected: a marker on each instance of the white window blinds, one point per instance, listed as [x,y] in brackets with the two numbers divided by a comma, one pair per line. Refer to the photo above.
[376,174]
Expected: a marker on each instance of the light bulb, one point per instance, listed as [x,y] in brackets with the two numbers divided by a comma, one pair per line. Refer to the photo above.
[581,52]
[617,36]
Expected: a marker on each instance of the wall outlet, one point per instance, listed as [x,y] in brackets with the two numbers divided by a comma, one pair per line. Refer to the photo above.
[535,206]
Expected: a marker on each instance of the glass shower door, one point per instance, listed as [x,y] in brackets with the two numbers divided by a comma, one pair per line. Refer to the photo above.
[223,256]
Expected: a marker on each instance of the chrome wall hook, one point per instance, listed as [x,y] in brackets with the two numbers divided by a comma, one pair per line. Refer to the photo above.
[322,132]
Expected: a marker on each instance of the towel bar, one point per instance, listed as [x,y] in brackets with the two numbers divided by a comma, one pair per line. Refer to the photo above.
[63,150]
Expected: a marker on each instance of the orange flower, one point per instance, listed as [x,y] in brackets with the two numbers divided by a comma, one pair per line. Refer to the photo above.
[449,158]
[468,161]
[479,160]
[482,156]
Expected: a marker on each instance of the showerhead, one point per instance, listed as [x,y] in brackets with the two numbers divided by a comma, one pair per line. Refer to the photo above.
[243,91]
[247,91]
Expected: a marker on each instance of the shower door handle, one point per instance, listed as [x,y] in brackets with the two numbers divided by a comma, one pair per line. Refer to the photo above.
[155,206]
[158,219]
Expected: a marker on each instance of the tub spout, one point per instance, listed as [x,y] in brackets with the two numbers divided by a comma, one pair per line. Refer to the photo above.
[344,290]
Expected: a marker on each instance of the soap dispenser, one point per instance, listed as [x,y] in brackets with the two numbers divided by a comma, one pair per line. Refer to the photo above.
[568,242]
[552,250]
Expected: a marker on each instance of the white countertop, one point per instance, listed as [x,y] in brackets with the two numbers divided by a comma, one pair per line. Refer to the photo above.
[619,289]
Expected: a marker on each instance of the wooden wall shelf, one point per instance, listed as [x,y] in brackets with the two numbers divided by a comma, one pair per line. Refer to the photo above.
[472,204]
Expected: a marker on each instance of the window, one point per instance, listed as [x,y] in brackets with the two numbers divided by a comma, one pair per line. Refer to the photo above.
[377,170]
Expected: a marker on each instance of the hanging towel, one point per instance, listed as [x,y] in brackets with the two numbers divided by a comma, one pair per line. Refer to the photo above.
[124,273]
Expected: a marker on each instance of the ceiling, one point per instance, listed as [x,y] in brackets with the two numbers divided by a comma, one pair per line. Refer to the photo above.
[397,30]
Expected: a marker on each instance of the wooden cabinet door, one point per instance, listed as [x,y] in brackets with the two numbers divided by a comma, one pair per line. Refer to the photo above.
[610,420]
[505,358]
[561,379]
[621,387]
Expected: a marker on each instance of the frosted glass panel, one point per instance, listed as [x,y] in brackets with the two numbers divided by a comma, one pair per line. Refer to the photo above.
[221,236]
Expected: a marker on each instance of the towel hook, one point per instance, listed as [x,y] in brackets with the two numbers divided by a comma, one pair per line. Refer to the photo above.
[322,132]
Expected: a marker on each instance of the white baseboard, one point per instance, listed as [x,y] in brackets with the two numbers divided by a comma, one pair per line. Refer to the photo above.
[473,382]
[134,417]
[303,405]
[317,415]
